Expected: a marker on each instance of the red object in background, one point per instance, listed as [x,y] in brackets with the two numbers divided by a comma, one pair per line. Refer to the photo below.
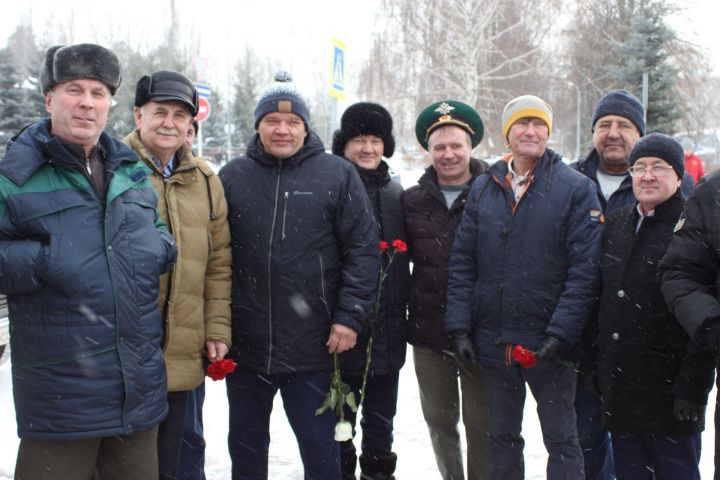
[399,245]
[526,358]
[219,369]
[383,245]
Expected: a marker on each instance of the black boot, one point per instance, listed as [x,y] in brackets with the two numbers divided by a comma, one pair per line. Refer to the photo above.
[348,461]
[378,467]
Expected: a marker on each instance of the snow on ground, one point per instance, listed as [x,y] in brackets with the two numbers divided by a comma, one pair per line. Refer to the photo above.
[412,443]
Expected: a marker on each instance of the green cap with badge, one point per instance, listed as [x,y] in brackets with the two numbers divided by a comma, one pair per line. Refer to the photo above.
[449,112]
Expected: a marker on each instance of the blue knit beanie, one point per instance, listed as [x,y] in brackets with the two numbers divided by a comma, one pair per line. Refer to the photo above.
[660,146]
[281,96]
[621,103]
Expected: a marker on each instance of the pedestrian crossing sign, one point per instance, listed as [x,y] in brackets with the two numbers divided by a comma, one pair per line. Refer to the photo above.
[338,73]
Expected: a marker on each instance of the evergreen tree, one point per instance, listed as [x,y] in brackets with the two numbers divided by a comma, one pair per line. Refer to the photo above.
[20,101]
[647,51]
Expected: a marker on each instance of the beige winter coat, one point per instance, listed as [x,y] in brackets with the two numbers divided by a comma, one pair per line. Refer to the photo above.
[195,296]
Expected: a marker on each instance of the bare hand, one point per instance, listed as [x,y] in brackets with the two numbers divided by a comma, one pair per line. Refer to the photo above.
[341,338]
[216,350]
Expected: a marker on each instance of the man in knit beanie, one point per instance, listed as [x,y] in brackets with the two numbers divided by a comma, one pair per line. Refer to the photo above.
[523,276]
[305,269]
[654,380]
[618,121]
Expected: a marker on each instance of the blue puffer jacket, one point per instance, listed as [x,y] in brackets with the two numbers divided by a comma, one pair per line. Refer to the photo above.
[521,271]
[81,278]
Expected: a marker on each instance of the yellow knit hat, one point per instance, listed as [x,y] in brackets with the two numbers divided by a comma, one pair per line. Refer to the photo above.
[526,106]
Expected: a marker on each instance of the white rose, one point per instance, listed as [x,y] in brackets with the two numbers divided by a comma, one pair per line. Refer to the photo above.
[343,431]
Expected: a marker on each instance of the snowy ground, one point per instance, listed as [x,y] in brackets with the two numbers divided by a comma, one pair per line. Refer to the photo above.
[412,443]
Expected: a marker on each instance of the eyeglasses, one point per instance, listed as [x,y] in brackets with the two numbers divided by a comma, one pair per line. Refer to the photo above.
[655,170]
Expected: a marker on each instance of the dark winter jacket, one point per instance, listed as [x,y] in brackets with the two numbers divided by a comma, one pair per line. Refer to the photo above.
[643,360]
[81,278]
[691,268]
[389,328]
[304,255]
[522,271]
[430,227]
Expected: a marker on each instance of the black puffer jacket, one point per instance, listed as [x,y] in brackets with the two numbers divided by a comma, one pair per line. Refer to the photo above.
[430,227]
[388,329]
[305,255]
[690,270]
[643,360]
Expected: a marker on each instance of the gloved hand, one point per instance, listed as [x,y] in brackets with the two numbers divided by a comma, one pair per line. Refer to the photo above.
[548,350]
[462,348]
[687,410]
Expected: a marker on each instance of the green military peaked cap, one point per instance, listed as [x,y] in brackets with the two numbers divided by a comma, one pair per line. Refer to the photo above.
[449,112]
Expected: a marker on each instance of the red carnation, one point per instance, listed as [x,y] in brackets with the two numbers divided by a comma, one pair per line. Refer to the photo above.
[219,369]
[399,245]
[526,358]
[383,245]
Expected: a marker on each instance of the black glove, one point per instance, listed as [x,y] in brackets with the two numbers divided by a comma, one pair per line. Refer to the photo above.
[548,350]
[462,348]
[687,410]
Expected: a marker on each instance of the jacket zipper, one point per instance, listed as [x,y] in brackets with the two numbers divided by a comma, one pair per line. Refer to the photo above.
[269,266]
[285,202]
[87,166]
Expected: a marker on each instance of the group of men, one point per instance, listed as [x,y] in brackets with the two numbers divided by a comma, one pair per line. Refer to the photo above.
[125,262]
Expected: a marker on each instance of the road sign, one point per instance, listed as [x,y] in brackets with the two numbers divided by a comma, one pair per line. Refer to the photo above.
[203,109]
[338,74]
[203,90]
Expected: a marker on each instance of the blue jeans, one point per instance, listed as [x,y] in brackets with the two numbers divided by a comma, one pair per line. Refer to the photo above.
[192,452]
[553,387]
[645,456]
[594,439]
[250,397]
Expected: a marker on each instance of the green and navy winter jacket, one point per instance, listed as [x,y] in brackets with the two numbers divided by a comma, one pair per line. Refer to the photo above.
[81,277]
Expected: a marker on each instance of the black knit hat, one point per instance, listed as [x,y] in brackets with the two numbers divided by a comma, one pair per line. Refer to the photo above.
[623,104]
[281,96]
[661,146]
[166,86]
[63,63]
[365,118]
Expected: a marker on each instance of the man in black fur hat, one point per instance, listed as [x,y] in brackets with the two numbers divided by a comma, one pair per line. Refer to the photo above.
[364,138]
[81,252]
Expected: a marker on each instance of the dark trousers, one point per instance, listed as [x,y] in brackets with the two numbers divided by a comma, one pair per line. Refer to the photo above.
[594,439]
[553,387]
[645,456]
[170,435]
[446,393]
[250,397]
[118,457]
[192,452]
[378,411]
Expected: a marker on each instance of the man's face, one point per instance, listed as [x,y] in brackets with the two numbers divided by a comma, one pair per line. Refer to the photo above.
[282,134]
[614,137]
[78,110]
[653,189]
[163,126]
[365,151]
[528,138]
[450,150]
